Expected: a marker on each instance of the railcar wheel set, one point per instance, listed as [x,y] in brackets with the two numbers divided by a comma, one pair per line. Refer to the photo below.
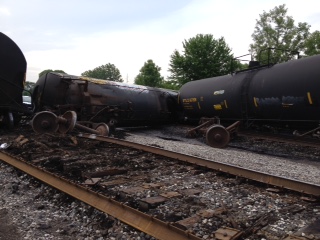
[48,122]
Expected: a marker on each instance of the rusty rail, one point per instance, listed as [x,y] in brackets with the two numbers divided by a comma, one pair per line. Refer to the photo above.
[128,215]
[291,184]
[309,142]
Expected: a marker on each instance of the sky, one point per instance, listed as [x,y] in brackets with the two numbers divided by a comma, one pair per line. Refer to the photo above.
[80,35]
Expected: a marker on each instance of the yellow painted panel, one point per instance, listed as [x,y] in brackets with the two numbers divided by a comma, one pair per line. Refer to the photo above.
[255,102]
[217,107]
[309,97]
[187,100]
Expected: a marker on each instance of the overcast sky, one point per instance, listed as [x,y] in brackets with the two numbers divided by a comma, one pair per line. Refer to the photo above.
[79,35]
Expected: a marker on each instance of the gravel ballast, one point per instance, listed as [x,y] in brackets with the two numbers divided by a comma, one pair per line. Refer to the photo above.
[302,170]
[30,210]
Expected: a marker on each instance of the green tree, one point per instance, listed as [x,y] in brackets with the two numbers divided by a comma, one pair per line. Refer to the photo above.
[169,84]
[149,75]
[28,87]
[239,65]
[275,29]
[50,70]
[312,44]
[107,72]
[202,57]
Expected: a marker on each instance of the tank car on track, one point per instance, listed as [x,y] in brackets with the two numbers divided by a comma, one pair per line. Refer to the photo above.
[286,93]
[13,68]
[110,102]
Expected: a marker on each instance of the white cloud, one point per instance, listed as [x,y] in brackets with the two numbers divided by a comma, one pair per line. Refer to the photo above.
[4,11]
[81,37]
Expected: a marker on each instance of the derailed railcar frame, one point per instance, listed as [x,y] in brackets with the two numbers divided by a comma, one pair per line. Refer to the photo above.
[97,100]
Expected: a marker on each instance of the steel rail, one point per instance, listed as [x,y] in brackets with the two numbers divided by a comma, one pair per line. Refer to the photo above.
[282,182]
[311,142]
[126,214]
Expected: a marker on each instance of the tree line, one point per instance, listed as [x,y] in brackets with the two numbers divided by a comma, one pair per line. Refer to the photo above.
[203,56]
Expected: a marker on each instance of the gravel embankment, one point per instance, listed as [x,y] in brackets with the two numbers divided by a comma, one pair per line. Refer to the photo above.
[31,210]
[301,170]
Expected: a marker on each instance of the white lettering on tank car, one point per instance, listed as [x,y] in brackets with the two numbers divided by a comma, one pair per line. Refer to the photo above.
[220,92]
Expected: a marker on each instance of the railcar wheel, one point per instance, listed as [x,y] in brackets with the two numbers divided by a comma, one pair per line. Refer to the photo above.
[103,129]
[71,118]
[217,136]
[45,122]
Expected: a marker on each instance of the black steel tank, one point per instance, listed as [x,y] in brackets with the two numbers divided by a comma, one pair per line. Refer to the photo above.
[104,101]
[287,91]
[13,67]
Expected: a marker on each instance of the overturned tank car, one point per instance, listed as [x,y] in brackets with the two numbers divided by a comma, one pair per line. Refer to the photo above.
[95,100]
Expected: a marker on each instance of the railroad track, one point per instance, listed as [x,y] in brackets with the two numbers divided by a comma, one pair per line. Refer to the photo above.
[302,141]
[150,193]
[274,180]
[136,219]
